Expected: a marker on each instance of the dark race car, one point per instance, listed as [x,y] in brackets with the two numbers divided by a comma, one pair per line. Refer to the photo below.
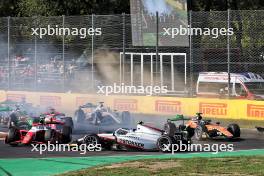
[97,118]
[48,127]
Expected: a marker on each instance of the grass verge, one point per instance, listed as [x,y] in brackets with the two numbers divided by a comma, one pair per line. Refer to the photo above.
[252,165]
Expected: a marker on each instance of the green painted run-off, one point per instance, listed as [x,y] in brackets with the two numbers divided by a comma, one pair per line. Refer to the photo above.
[52,166]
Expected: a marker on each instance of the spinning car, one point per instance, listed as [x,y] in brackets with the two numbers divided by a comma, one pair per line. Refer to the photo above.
[198,127]
[144,137]
[54,127]
[94,118]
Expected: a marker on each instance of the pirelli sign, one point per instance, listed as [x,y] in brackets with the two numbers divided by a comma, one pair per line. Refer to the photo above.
[255,111]
[50,100]
[16,97]
[126,104]
[168,106]
[213,109]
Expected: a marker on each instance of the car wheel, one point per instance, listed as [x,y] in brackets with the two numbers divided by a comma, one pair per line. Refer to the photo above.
[198,133]
[69,122]
[164,143]
[12,136]
[66,134]
[91,139]
[170,128]
[234,129]
[190,132]
[13,119]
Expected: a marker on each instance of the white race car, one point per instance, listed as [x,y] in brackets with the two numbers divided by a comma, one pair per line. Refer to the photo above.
[144,137]
[92,118]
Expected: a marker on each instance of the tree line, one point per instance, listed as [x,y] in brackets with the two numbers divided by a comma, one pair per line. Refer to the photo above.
[21,8]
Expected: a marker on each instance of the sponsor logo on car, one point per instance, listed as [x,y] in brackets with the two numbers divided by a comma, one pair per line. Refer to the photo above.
[255,110]
[125,104]
[168,106]
[50,100]
[16,97]
[132,143]
[213,108]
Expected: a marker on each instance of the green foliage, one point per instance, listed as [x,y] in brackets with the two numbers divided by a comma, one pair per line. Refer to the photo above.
[85,7]
[35,8]
[172,167]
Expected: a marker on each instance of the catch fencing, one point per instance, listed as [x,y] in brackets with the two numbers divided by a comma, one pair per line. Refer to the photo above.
[81,60]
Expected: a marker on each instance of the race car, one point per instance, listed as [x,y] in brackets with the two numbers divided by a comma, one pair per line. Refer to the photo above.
[97,118]
[22,110]
[199,128]
[144,137]
[48,127]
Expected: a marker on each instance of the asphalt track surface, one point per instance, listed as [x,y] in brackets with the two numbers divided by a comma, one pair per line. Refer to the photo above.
[250,139]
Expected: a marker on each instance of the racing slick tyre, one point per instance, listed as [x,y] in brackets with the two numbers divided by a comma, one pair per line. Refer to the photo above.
[69,122]
[234,129]
[190,132]
[50,135]
[126,118]
[12,120]
[12,136]
[170,128]
[91,139]
[198,133]
[66,134]
[164,143]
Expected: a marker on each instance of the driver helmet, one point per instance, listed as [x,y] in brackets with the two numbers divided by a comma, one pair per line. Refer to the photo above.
[198,116]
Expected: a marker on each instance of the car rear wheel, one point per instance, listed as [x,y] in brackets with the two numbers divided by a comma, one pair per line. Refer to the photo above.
[190,132]
[170,129]
[13,119]
[12,136]
[66,134]
[164,143]
[198,133]
[234,129]
[69,122]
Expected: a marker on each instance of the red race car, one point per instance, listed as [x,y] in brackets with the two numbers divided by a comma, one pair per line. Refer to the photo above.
[53,127]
